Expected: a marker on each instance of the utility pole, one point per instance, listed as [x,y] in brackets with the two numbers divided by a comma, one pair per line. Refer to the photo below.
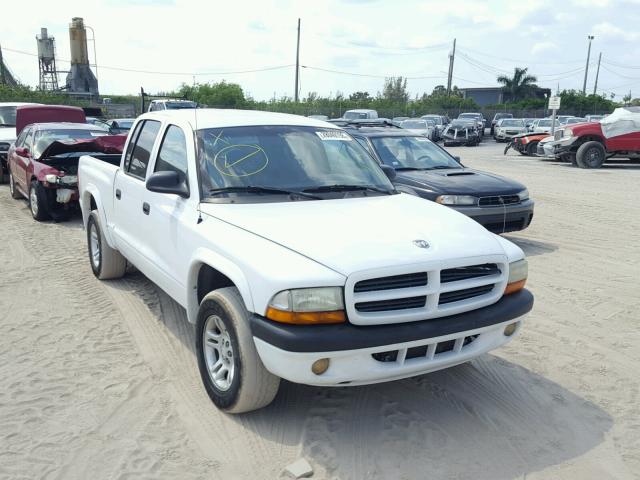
[295,96]
[2,78]
[450,76]
[586,68]
[595,86]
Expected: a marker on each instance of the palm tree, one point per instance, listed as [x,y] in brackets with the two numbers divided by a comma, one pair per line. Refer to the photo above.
[520,85]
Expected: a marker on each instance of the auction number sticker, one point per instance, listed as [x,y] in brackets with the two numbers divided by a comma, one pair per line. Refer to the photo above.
[334,135]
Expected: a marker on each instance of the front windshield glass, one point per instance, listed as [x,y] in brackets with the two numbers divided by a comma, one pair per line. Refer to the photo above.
[44,138]
[415,124]
[503,115]
[294,158]
[7,116]
[412,152]
[355,115]
[180,105]
[512,123]
[469,115]
[544,123]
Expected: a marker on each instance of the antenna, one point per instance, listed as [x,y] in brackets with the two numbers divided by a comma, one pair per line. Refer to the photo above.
[195,152]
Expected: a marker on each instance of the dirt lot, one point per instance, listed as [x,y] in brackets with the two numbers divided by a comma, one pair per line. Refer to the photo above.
[99,380]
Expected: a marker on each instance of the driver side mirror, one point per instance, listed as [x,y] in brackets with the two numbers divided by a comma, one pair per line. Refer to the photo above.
[390,172]
[22,151]
[168,182]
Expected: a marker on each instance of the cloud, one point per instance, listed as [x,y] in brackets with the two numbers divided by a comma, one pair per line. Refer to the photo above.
[543,47]
[609,30]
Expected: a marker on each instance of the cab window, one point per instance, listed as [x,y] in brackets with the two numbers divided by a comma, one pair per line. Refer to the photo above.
[142,150]
[172,156]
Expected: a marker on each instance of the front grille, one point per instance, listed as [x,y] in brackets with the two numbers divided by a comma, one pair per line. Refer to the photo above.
[423,291]
[393,304]
[465,273]
[409,280]
[459,295]
[497,200]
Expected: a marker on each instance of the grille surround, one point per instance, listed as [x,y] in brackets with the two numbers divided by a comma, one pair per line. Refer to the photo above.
[377,313]
[498,200]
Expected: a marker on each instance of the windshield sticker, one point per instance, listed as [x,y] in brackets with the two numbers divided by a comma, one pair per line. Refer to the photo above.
[422,139]
[334,135]
[240,160]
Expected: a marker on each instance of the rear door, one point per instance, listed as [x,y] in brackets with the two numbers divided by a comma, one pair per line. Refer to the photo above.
[131,208]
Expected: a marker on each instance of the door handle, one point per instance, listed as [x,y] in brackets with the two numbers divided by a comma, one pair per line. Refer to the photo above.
[146,208]
[118,194]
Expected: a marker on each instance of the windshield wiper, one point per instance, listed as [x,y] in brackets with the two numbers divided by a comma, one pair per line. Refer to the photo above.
[344,188]
[410,168]
[258,189]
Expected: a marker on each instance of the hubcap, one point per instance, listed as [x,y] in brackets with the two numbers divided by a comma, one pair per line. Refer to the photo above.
[593,156]
[11,186]
[218,353]
[33,200]
[94,244]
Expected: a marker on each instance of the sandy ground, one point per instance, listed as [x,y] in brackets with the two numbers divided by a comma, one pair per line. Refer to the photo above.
[99,380]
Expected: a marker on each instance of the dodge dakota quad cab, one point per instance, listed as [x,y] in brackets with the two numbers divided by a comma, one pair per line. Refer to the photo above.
[590,144]
[43,162]
[294,256]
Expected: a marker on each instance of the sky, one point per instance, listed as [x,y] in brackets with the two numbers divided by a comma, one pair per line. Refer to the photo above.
[346,45]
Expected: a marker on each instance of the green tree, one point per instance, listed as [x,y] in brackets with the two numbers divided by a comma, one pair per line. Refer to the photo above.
[521,85]
[362,97]
[221,94]
[395,89]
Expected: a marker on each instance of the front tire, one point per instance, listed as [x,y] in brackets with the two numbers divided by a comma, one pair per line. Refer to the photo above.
[38,202]
[532,149]
[591,155]
[106,262]
[233,374]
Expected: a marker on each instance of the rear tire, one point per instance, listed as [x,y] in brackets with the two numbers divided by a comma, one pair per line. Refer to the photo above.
[15,194]
[591,155]
[233,374]
[106,262]
[38,202]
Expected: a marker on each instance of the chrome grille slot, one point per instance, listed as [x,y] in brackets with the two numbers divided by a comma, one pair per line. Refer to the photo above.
[393,304]
[498,200]
[459,295]
[419,279]
[466,273]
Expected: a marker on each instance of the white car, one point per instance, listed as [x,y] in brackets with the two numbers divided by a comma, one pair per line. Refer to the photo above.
[420,127]
[171,104]
[544,125]
[360,114]
[7,132]
[294,256]
[507,128]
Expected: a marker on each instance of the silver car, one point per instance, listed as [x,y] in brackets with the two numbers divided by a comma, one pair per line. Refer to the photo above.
[507,128]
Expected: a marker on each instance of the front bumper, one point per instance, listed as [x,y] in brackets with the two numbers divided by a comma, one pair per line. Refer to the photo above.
[511,218]
[377,353]
[506,135]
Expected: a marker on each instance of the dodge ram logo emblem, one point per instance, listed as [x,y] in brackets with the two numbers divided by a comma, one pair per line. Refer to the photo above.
[421,243]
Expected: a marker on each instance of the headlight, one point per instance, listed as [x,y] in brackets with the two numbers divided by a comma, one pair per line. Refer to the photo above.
[518,272]
[567,132]
[308,306]
[457,200]
[524,195]
[51,178]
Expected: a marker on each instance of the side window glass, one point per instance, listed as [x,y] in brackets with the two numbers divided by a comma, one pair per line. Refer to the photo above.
[21,137]
[172,156]
[28,139]
[132,143]
[142,149]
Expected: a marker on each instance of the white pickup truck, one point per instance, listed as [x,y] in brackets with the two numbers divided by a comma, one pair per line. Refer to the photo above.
[292,253]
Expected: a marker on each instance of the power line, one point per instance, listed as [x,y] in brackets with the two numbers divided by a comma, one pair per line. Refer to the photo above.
[369,75]
[519,60]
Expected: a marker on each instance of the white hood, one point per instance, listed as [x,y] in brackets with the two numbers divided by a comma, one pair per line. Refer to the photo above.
[353,234]
[8,134]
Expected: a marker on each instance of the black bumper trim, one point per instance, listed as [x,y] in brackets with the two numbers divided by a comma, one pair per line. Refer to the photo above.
[346,336]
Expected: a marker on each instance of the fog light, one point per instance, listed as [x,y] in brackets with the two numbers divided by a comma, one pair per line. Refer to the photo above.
[320,366]
[510,329]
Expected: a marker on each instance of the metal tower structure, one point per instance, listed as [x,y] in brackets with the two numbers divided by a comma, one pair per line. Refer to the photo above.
[47,61]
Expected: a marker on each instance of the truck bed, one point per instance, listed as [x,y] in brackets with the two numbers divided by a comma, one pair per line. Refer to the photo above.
[96,177]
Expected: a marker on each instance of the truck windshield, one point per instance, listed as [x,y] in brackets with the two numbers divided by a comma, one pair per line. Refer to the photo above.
[7,116]
[412,153]
[415,124]
[355,115]
[180,105]
[288,158]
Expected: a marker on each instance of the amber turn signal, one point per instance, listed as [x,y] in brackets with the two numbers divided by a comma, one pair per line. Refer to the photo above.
[515,286]
[305,318]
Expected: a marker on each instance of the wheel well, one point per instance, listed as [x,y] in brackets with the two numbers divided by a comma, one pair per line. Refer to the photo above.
[92,204]
[210,279]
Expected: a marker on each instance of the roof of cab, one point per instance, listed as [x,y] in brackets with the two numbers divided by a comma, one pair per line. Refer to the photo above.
[217,118]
